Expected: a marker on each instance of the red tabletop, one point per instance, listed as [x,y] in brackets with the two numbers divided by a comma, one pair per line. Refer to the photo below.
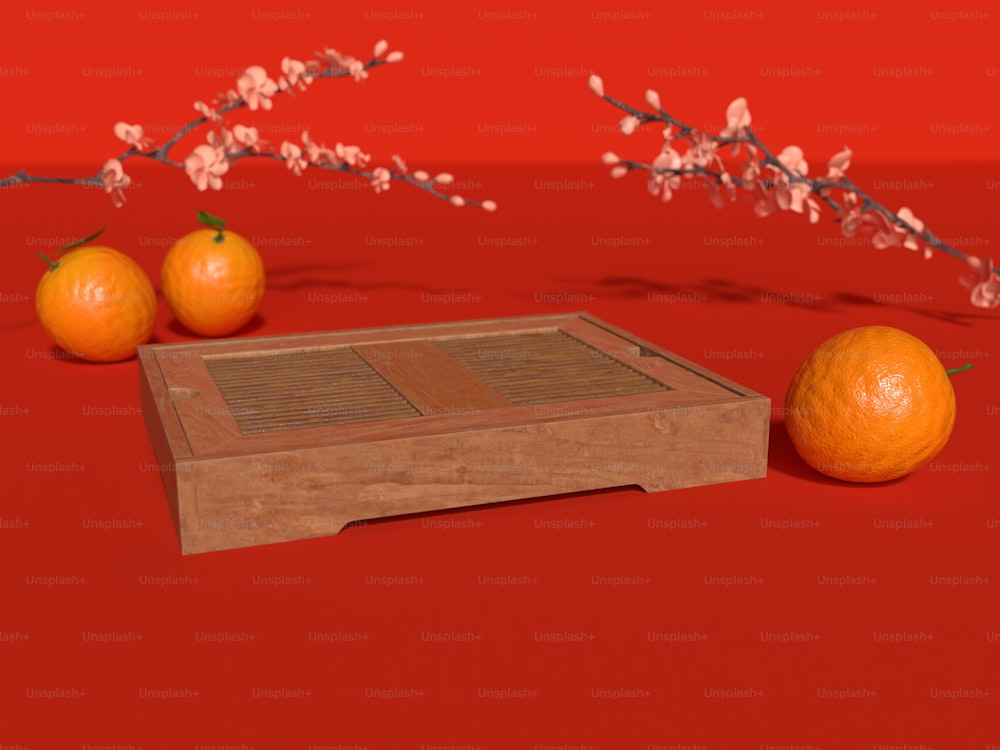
[791,611]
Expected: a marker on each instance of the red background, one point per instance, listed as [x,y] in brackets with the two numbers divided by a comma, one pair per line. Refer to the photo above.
[903,82]
[746,297]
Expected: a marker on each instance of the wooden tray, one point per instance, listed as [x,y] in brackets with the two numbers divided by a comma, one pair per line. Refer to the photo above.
[263,440]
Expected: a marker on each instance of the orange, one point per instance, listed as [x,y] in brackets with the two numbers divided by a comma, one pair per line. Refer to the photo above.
[213,281]
[96,303]
[869,405]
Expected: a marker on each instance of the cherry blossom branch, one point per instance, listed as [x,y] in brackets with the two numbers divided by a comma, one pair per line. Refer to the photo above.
[780,182]
[206,164]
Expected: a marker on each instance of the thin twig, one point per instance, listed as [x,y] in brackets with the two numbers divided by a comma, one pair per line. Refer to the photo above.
[162,151]
[819,187]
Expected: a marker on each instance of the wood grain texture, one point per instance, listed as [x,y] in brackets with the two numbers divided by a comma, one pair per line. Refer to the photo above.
[523,407]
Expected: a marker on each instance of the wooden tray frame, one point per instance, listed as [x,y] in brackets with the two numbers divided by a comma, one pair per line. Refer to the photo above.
[227,489]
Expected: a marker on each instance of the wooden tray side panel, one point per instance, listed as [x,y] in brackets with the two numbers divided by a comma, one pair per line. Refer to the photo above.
[244,501]
[165,431]
[154,392]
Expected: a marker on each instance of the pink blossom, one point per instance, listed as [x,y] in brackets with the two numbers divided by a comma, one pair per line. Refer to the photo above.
[292,155]
[457,200]
[701,151]
[207,112]
[766,204]
[850,214]
[911,239]
[352,155]
[886,234]
[380,47]
[227,100]
[609,158]
[206,165]
[224,141]
[394,57]
[421,176]
[490,206]
[737,118]
[334,59]
[838,164]
[400,164]
[132,135]
[339,61]
[628,124]
[313,150]
[751,172]
[618,172]
[444,178]
[319,154]
[357,69]
[249,137]
[853,220]
[729,185]
[596,85]
[296,74]
[653,98]
[381,179]
[850,221]
[725,183]
[791,194]
[793,160]
[255,88]
[983,285]
[114,178]
[661,181]
[813,210]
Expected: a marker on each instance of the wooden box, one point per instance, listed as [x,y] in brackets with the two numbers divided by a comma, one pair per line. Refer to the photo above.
[264,440]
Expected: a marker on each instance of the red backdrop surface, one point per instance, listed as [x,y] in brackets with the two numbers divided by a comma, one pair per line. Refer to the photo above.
[787,612]
[502,81]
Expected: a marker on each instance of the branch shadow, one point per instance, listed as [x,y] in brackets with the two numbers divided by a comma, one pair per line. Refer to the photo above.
[16,324]
[304,275]
[317,276]
[633,287]
[956,318]
[715,288]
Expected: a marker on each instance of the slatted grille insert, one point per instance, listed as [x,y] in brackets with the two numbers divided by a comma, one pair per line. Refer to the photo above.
[539,368]
[304,389]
